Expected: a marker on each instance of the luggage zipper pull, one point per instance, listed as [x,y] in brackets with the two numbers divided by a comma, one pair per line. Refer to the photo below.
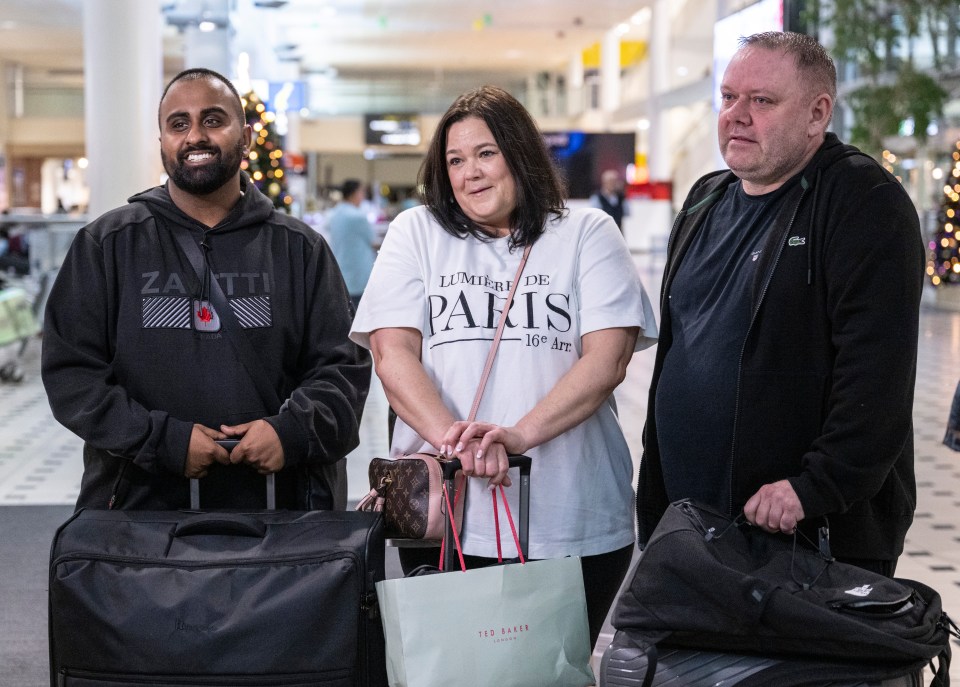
[946,623]
[694,515]
[370,606]
[823,534]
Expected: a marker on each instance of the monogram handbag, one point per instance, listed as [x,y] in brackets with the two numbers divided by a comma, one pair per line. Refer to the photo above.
[408,489]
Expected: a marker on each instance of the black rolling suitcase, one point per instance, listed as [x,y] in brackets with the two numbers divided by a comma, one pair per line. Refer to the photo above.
[183,598]
[626,664]
[715,601]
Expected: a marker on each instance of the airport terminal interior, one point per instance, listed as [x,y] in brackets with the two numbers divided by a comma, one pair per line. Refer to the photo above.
[353,89]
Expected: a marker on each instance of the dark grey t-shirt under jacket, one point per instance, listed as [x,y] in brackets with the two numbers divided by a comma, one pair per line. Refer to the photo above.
[710,308]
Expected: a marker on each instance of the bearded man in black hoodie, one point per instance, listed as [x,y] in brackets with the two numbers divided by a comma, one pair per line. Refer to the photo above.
[198,314]
[784,377]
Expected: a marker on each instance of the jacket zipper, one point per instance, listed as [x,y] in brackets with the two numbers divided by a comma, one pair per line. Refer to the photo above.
[673,235]
[116,485]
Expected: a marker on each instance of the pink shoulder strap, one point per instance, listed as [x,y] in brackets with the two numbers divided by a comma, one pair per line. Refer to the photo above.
[496,337]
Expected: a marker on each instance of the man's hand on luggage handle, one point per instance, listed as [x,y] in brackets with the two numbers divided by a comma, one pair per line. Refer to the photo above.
[204,452]
[775,508]
[259,446]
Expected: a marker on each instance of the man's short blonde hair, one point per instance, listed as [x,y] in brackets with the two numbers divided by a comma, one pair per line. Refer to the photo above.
[812,60]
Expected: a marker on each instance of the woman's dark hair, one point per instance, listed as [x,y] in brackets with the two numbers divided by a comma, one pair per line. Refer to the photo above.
[540,189]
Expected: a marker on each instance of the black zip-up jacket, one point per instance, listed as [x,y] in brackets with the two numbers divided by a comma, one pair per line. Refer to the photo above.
[826,375]
[129,366]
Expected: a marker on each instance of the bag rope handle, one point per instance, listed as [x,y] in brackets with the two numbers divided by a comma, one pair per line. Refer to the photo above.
[513,528]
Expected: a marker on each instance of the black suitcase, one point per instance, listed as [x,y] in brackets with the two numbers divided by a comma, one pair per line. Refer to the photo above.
[223,598]
[625,664]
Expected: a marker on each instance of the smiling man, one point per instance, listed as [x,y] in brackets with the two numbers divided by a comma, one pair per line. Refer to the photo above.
[783,384]
[198,314]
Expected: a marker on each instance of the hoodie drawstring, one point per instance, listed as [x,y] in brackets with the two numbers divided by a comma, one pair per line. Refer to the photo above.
[203,311]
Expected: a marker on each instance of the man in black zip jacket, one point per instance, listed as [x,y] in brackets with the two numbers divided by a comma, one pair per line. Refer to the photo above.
[195,314]
[784,377]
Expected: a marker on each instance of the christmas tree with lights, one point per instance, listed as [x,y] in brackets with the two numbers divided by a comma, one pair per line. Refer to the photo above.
[264,164]
[944,265]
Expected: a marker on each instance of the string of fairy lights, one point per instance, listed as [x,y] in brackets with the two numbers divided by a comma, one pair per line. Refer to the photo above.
[943,266]
[264,164]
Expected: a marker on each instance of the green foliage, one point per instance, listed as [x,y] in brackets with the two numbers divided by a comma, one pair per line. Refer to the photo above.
[878,110]
[874,116]
[876,36]
[863,33]
[921,97]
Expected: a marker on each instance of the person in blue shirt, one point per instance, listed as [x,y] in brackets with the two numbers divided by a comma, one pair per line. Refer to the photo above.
[351,238]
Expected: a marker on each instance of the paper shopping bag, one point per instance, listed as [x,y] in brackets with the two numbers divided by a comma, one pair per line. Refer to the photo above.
[519,625]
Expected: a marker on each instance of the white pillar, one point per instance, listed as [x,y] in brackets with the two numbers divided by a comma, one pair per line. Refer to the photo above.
[658,154]
[610,71]
[576,101]
[532,100]
[123,68]
[9,79]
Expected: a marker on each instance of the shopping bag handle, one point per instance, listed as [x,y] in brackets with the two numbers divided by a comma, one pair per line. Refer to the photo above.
[496,524]
[453,528]
[449,470]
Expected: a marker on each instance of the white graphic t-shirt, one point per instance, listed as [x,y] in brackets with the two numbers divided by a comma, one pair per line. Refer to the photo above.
[579,278]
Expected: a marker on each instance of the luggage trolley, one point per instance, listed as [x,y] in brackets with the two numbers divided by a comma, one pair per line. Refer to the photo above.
[18,324]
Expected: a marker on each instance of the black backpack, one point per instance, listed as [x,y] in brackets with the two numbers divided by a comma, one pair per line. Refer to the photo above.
[707,582]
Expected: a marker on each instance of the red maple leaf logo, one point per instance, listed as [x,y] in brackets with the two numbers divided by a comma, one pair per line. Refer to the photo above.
[204,314]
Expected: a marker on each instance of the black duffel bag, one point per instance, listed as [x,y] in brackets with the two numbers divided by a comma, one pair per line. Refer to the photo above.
[707,582]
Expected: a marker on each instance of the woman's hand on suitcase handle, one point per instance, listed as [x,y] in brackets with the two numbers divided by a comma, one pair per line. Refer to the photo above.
[203,451]
[259,446]
[479,457]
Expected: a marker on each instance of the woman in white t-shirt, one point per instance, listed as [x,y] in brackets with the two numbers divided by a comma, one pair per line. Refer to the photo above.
[430,311]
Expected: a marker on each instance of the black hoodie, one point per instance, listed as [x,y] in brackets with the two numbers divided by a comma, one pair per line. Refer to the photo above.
[129,367]
[826,375]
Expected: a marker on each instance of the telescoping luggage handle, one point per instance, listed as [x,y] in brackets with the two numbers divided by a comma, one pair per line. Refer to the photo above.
[271,482]
[450,469]
[225,524]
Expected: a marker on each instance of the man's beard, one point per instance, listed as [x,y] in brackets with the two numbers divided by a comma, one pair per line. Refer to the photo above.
[200,181]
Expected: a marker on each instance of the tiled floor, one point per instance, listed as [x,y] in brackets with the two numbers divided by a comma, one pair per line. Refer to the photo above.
[40,461]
